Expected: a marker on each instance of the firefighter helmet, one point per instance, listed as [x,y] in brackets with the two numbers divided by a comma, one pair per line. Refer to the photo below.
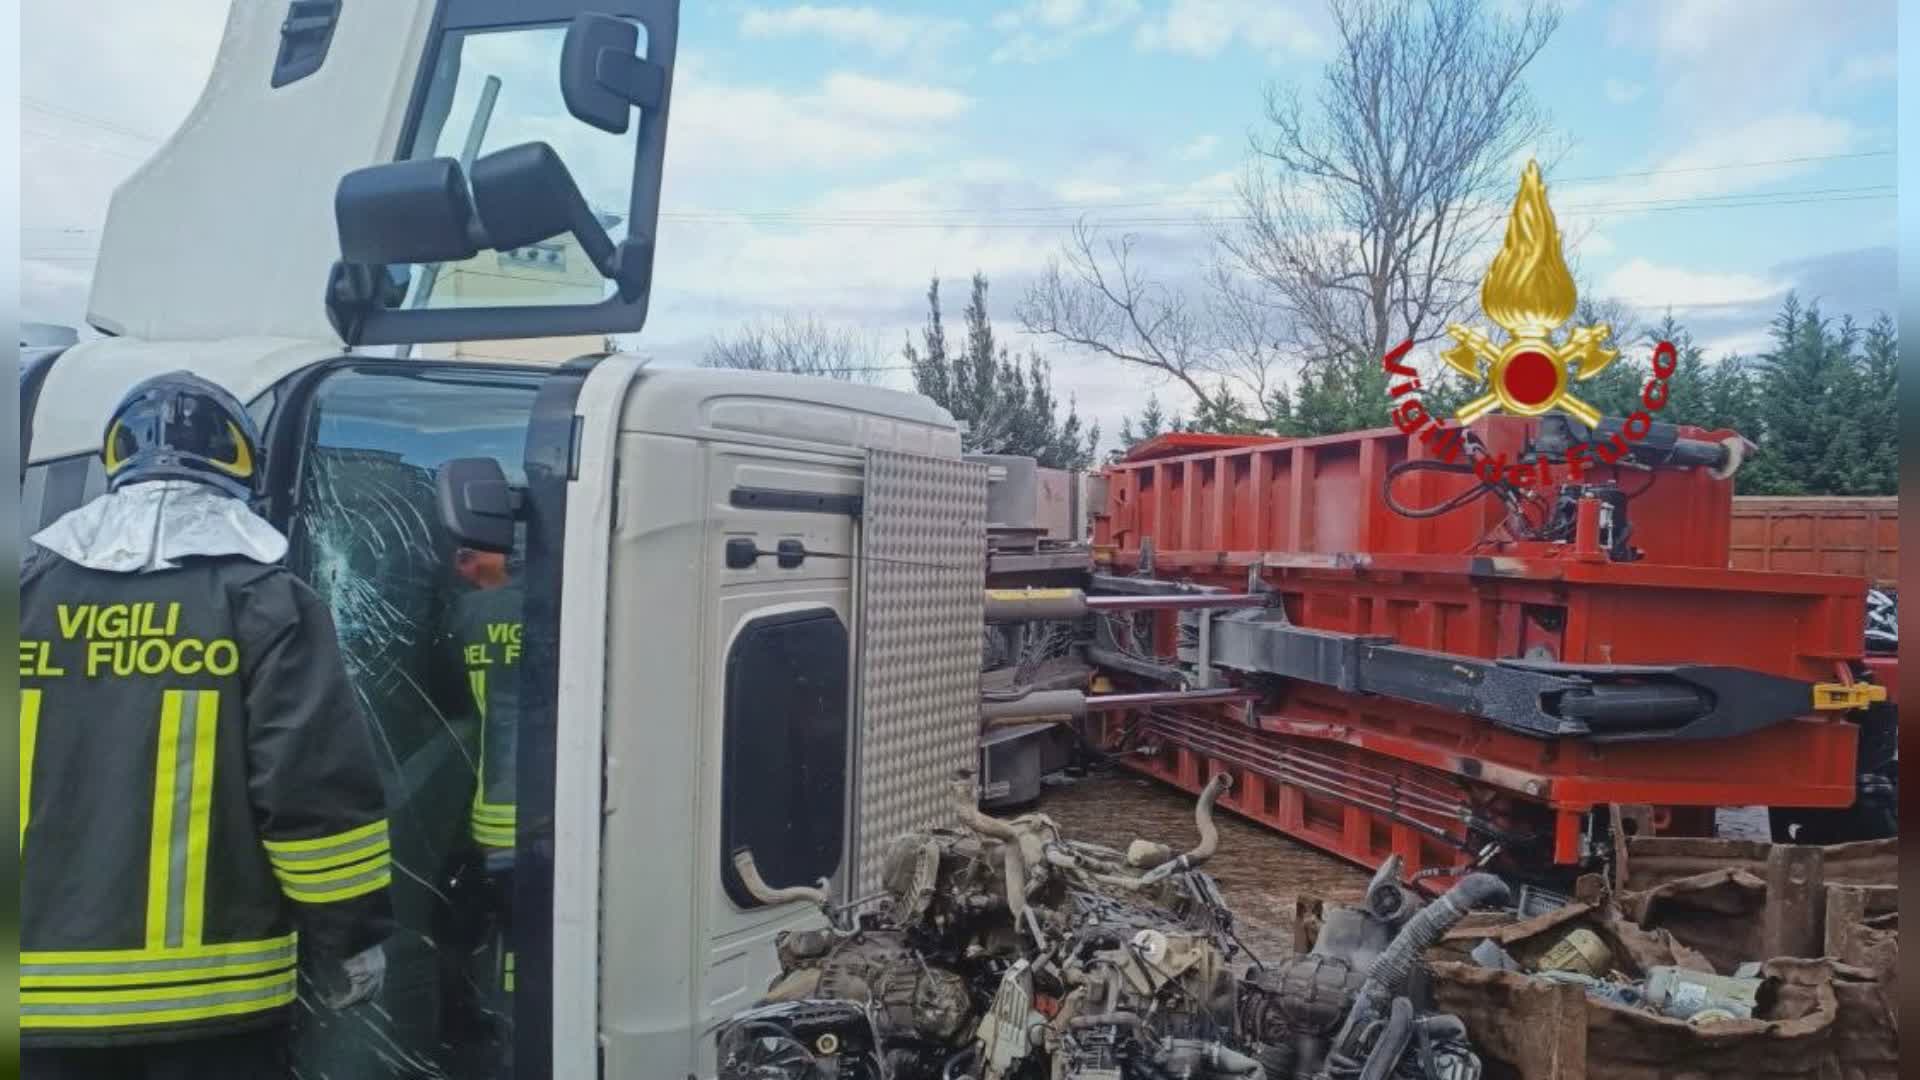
[179,426]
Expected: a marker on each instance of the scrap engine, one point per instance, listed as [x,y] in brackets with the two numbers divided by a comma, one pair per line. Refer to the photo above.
[1004,950]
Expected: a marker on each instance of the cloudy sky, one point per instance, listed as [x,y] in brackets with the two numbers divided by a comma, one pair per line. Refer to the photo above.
[830,158]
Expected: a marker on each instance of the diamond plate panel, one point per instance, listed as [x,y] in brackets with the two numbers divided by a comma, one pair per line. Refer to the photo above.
[923,549]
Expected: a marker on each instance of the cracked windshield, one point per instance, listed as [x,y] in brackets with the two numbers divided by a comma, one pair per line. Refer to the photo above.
[431,635]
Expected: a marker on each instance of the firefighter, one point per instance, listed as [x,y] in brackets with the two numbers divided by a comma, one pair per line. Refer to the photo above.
[486,629]
[201,820]
[483,643]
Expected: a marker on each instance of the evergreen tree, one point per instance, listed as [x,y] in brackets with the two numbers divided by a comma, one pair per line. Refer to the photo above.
[1007,405]
[1153,421]
[1880,364]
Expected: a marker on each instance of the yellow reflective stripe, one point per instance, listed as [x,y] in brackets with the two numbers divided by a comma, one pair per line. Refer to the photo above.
[338,873]
[372,881]
[159,859]
[319,847]
[492,824]
[477,679]
[157,977]
[32,1021]
[29,735]
[493,837]
[110,956]
[150,993]
[157,1005]
[97,970]
[356,855]
[200,814]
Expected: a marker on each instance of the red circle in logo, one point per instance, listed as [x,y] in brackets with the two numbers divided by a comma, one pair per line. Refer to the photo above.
[1530,377]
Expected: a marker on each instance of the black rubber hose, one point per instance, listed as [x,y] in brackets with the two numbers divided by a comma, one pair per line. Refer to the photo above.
[951,1071]
[1392,1042]
[1391,971]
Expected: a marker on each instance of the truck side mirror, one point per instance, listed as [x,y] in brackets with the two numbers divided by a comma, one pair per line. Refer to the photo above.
[477,505]
[524,194]
[406,212]
[602,77]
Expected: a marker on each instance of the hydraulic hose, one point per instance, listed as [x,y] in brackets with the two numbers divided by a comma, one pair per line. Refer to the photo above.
[1209,833]
[969,812]
[1215,1058]
[758,888]
[963,1059]
[1013,860]
[1392,1043]
[1393,968]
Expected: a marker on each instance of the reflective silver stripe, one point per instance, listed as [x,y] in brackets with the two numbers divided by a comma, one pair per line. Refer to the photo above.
[283,952]
[183,754]
[292,860]
[379,870]
[279,988]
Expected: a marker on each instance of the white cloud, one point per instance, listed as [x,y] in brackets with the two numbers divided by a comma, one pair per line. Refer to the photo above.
[1699,170]
[1646,284]
[863,95]
[1747,343]
[722,127]
[1621,92]
[1860,70]
[1202,146]
[1041,30]
[1724,61]
[86,127]
[1205,28]
[884,32]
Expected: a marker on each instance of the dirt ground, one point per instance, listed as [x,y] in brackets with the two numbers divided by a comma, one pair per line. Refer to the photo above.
[1260,871]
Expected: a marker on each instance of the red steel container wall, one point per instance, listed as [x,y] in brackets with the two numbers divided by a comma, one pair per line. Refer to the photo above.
[1322,495]
[1310,511]
[1819,535]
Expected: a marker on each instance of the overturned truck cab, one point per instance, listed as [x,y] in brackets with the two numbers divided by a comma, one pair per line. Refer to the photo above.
[608,622]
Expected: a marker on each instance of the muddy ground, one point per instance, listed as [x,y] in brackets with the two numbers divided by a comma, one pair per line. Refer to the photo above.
[1260,871]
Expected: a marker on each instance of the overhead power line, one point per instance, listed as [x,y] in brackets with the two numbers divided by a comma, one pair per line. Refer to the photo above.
[75,116]
[905,221]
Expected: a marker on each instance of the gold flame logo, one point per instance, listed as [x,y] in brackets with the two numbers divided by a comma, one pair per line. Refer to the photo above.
[1529,293]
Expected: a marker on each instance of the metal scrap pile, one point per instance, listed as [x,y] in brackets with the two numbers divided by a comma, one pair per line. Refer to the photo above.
[1005,951]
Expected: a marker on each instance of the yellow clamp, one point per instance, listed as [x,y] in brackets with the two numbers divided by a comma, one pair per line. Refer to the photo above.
[1833,695]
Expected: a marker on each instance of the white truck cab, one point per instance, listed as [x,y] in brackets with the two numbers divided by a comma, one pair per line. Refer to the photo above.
[752,602]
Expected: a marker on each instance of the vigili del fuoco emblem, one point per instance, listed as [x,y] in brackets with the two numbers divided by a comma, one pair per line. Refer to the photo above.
[1529,293]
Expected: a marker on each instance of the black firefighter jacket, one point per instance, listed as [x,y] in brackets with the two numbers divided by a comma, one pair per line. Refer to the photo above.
[199,804]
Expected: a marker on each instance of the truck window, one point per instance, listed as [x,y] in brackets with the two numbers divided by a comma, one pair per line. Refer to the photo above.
[491,89]
[419,637]
[785,751]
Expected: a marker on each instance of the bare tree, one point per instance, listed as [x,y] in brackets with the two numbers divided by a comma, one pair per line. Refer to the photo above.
[1360,220]
[1095,295]
[1366,215]
[798,345]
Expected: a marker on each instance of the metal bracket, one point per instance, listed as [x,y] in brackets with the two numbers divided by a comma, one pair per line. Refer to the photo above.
[1146,557]
[1836,696]
[1203,651]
